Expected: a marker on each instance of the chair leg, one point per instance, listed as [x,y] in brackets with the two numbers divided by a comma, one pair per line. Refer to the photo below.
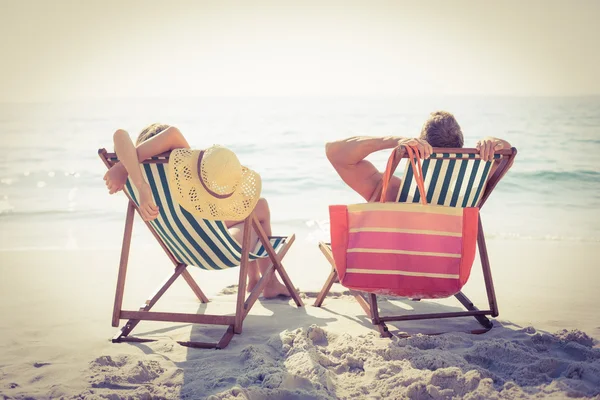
[195,288]
[224,342]
[241,295]
[326,287]
[123,263]
[468,304]
[383,329]
[360,299]
[257,290]
[262,282]
[273,256]
[374,308]
[368,306]
[150,302]
[333,276]
[487,272]
[121,335]
[288,283]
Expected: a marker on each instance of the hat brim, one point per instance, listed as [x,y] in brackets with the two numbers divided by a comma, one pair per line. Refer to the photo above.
[187,189]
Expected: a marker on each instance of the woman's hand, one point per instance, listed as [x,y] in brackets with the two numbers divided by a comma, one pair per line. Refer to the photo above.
[147,208]
[423,148]
[115,178]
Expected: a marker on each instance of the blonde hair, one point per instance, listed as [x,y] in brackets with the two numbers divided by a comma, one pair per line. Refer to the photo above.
[150,131]
[442,130]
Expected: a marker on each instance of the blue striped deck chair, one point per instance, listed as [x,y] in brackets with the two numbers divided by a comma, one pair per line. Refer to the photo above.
[188,240]
[453,178]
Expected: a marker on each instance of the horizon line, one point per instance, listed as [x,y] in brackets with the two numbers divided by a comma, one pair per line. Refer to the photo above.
[306,96]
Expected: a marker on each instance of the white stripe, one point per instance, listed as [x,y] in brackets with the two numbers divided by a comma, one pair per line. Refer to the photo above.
[229,251]
[465,183]
[409,252]
[174,233]
[412,190]
[476,183]
[441,156]
[398,272]
[440,181]
[365,208]
[272,242]
[456,155]
[203,245]
[183,256]
[257,247]
[403,182]
[226,248]
[252,253]
[452,186]
[399,230]
[222,234]
[187,244]
[179,254]
[452,183]
[462,188]
[427,181]
[484,180]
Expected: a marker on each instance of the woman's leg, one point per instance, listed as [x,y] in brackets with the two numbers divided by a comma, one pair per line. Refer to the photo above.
[273,288]
[236,229]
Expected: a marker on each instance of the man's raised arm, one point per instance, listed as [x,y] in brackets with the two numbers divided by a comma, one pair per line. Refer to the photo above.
[348,158]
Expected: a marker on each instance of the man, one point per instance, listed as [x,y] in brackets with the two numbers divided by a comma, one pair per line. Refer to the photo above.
[441,130]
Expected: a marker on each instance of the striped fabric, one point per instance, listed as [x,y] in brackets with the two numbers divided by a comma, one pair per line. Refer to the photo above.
[454,180]
[203,243]
[403,249]
[428,244]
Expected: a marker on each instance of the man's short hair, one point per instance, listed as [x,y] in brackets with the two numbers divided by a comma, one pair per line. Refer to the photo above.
[442,130]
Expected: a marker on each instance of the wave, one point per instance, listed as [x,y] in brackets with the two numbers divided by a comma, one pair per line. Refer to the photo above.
[595,141]
[9,214]
[554,176]
[552,238]
[315,228]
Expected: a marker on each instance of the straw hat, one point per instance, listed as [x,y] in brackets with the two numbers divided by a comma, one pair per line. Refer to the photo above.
[212,184]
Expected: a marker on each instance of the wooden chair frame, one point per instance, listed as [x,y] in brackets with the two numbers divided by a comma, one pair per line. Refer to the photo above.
[243,305]
[368,301]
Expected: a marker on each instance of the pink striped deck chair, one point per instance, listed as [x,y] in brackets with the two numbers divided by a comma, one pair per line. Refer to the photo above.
[431,255]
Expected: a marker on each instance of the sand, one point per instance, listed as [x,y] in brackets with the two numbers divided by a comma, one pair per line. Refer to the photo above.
[55,328]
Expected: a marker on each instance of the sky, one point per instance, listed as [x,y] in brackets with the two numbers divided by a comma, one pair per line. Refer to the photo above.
[72,50]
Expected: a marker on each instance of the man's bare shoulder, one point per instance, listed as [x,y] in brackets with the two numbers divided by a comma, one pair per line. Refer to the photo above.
[392,193]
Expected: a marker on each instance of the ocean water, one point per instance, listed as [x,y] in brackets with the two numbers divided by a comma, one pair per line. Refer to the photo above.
[52,194]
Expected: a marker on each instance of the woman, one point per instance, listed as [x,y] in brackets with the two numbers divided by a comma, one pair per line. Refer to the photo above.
[159,138]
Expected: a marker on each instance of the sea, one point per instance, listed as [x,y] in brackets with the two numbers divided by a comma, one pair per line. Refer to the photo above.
[52,195]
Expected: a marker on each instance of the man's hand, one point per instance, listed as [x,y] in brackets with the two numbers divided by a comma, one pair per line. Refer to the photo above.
[115,178]
[424,149]
[147,208]
[488,146]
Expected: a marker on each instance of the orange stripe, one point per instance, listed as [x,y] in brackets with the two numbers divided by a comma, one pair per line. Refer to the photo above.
[412,253]
[400,230]
[398,272]
[405,220]
[408,207]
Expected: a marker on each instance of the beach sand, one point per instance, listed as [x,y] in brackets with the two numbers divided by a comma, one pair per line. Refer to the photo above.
[56,310]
